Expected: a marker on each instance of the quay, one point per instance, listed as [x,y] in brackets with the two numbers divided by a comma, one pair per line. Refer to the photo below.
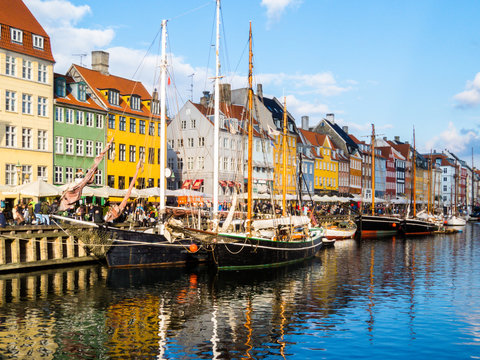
[43,246]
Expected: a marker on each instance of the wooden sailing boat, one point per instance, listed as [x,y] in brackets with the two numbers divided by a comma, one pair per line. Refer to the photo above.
[416,226]
[133,248]
[260,243]
[372,226]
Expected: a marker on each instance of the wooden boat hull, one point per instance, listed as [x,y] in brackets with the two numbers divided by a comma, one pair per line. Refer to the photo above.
[338,234]
[377,226]
[410,227]
[234,252]
[137,249]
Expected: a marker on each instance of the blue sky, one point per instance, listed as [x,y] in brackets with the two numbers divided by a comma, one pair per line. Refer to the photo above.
[396,64]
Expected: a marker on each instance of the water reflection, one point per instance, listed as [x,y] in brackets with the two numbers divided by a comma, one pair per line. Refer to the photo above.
[383,297]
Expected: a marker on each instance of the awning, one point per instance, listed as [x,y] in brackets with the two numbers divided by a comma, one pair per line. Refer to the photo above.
[187,184]
[222,183]
[230,183]
[196,185]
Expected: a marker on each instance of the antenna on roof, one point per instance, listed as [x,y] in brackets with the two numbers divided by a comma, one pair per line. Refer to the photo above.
[191,86]
[81,57]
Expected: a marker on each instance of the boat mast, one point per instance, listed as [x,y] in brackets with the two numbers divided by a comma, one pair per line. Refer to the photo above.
[250,135]
[429,188]
[163,116]
[473,188]
[284,179]
[414,177]
[373,168]
[216,131]
[434,173]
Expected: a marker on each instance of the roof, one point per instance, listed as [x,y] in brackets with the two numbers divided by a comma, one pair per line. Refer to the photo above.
[342,134]
[315,139]
[98,81]
[275,108]
[15,14]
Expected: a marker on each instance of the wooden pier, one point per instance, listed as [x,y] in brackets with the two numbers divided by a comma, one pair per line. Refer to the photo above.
[35,246]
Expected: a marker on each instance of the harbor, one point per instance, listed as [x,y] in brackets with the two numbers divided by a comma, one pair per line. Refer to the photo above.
[391,298]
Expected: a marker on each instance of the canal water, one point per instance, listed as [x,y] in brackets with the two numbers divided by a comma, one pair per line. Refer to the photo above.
[392,298]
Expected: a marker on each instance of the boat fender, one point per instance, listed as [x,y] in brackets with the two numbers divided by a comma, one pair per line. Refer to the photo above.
[394,225]
[193,248]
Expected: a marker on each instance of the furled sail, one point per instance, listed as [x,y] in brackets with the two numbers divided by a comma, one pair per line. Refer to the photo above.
[71,195]
[116,210]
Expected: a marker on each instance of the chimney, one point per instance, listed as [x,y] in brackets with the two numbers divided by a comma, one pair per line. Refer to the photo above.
[100,62]
[155,95]
[305,122]
[260,91]
[330,117]
[226,94]
[385,138]
[345,128]
[397,138]
[205,98]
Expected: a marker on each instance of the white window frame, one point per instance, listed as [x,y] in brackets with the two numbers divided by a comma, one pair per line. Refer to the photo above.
[42,106]
[99,147]
[58,175]
[27,104]
[10,66]
[16,35]
[27,142]
[26,69]
[59,114]
[11,177]
[68,174]
[42,172]
[10,136]
[89,119]
[42,73]
[80,147]
[99,121]
[42,140]
[69,115]
[89,148]
[80,117]
[59,145]
[38,41]
[10,100]
[69,146]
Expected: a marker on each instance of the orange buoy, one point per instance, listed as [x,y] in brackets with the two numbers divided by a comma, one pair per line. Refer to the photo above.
[193,248]
[394,225]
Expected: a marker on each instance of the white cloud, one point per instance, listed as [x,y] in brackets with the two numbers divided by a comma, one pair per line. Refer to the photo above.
[57,12]
[453,140]
[471,95]
[275,8]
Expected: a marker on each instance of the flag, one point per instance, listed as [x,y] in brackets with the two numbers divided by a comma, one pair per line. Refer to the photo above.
[169,80]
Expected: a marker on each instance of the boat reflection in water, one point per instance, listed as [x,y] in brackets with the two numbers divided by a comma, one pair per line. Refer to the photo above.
[358,290]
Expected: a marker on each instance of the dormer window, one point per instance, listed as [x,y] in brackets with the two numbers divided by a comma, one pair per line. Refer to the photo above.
[16,35]
[113,97]
[82,92]
[38,41]
[60,87]
[135,102]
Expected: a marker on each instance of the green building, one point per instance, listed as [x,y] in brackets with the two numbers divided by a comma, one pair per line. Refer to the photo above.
[79,131]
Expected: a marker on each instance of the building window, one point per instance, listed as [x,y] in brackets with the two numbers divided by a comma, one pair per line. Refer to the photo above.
[89,119]
[89,148]
[193,123]
[189,163]
[10,100]
[122,123]
[42,73]
[69,146]
[201,141]
[59,144]
[68,116]
[80,147]
[132,156]
[42,173]
[201,162]
[190,142]
[10,66]
[99,119]
[159,127]
[10,136]
[184,124]
[121,152]
[26,138]
[158,156]
[68,174]
[27,104]
[135,102]
[10,174]
[99,147]
[151,155]
[58,175]
[16,35]
[80,118]
[60,87]
[42,106]
[141,127]
[133,125]
[121,182]
[111,180]
[155,107]
[179,143]
[27,69]
[82,92]
[111,121]
[42,140]
[141,153]
[98,178]
[37,41]
[151,129]
[113,97]
[111,151]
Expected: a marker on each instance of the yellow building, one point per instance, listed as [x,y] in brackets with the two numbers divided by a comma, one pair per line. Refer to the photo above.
[132,119]
[26,93]
[326,162]
[291,155]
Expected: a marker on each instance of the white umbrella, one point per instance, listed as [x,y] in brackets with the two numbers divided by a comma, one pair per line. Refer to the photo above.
[37,188]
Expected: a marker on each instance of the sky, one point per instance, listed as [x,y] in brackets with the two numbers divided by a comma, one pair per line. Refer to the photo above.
[396,64]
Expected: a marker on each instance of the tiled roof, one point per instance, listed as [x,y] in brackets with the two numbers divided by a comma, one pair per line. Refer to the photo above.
[98,81]
[15,14]
[342,134]
[314,138]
